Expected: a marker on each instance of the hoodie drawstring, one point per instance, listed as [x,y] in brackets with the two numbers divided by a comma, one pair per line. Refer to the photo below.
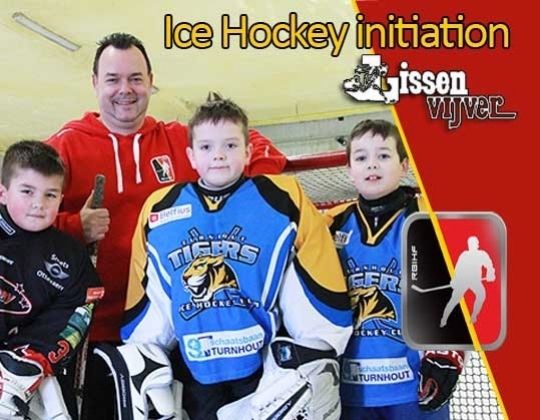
[136,157]
[119,178]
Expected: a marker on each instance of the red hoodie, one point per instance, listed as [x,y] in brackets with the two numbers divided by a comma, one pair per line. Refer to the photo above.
[134,166]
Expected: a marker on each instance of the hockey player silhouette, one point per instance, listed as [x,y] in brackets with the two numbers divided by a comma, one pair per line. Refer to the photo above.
[468,275]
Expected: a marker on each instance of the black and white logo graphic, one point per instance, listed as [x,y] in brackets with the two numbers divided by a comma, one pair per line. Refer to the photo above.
[469,266]
[163,168]
[446,92]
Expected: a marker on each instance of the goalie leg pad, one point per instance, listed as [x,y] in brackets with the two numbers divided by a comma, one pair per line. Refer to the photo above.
[298,383]
[48,403]
[144,383]
[20,378]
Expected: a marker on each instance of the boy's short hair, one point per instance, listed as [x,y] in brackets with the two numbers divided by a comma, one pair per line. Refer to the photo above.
[31,154]
[217,109]
[120,41]
[382,127]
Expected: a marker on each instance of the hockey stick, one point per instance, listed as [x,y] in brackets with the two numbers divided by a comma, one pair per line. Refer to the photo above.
[432,289]
[80,366]
[97,202]
[429,289]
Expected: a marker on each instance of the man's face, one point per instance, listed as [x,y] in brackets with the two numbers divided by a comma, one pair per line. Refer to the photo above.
[375,168]
[219,153]
[123,88]
[32,199]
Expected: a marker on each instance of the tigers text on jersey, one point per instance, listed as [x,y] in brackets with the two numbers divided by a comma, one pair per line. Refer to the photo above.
[47,291]
[220,276]
[378,368]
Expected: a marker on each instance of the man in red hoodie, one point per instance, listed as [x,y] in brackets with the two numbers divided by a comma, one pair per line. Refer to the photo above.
[137,154]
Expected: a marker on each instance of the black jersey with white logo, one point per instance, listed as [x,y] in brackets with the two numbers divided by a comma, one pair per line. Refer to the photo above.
[48,289]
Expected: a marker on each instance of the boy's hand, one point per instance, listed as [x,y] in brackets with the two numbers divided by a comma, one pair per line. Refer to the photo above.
[20,378]
[95,222]
[438,377]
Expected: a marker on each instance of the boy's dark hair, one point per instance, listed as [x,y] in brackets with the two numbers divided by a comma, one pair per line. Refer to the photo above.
[382,127]
[31,154]
[217,109]
[121,41]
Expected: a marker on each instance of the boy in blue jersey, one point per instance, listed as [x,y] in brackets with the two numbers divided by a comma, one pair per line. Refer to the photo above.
[221,266]
[382,378]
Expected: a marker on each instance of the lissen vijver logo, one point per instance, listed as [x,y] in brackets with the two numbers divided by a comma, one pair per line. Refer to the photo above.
[476,244]
[446,92]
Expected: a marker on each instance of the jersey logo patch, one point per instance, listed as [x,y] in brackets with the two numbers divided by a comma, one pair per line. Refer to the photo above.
[204,277]
[342,239]
[6,260]
[159,218]
[370,303]
[55,270]
[94,294]
[223,344]
[13,299]
[163,169]
[6,227]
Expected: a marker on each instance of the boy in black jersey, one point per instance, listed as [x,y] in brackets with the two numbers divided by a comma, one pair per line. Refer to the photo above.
[48,286]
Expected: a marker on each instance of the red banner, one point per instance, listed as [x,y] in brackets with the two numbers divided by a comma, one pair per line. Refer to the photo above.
[484,164]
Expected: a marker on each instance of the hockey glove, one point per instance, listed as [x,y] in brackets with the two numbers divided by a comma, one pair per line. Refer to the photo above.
[19,379]
[439,373]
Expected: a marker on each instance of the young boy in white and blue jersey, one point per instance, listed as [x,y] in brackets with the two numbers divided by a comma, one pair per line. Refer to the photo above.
[382,378]
[242,276]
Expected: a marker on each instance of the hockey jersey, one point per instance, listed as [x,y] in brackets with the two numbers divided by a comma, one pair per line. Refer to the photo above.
[219,277]
[48,289]
[378,368]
